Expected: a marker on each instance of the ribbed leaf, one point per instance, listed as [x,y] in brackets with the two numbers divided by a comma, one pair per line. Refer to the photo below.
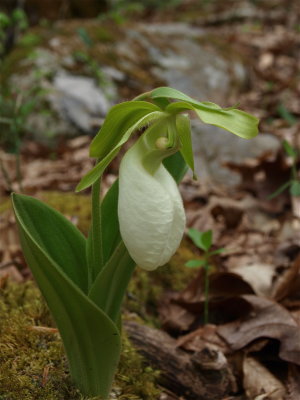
[111,283]
[56,236]
[110,223]
[170,93]
[231,119]
[91,339]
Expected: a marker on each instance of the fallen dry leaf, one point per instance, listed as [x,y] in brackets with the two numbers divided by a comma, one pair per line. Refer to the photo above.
[287,282]
[203,337]
[184,310]
[260,383]
[259,275]
[293,382]
[266,319]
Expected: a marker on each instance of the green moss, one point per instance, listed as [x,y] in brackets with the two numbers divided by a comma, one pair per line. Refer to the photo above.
[74,206]
[27,354]
[5,204]
[32,361]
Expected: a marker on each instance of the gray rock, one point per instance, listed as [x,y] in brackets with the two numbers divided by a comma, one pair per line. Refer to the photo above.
[78,100]
[213,147]
[176,57]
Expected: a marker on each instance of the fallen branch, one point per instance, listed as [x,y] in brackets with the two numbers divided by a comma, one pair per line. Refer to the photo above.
[204,375]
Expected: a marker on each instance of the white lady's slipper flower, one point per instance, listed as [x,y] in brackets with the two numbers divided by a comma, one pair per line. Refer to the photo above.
[150,209]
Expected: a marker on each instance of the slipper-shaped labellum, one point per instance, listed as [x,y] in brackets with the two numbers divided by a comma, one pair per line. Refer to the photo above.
[150,209]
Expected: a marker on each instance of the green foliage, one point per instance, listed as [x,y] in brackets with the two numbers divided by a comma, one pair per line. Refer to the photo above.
[294,182]
[126,118]
[286,114]
[17,20]
[86,58]
[204,241]
[122,121]
[74,313]
[83,283]
[183,127]
[81,306]
[16,106]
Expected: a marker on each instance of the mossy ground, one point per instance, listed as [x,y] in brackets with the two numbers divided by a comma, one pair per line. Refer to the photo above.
[32,361]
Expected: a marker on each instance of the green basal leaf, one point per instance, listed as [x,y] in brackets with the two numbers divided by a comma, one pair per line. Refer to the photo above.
[117,122]
[195,263]
[111,283]
[183,126]
[94,245]
[295,188]
[110,222]
[91,340]
[56,236]
[98,170]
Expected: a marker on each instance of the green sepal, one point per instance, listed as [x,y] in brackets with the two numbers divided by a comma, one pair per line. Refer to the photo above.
[96,172]
[236,121]
[99,168]
[91,340]
[183,126]
[233,120]
[119,119]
